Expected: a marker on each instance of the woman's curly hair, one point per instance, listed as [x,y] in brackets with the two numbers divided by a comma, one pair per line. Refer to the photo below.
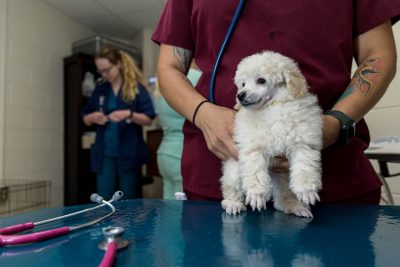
[130,73]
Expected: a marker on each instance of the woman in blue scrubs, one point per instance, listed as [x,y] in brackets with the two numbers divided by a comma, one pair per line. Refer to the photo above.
[119,106]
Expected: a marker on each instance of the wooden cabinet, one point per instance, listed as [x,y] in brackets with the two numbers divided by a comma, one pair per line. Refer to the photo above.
[79,181]
[153,139]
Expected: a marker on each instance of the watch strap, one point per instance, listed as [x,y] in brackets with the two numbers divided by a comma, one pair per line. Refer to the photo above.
[340,116]
[347,129]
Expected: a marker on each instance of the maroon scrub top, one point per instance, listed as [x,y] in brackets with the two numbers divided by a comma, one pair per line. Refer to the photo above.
[318,34]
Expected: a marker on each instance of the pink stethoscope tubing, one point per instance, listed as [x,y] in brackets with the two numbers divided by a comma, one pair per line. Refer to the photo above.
[7,236]
[113,241]
[110,255]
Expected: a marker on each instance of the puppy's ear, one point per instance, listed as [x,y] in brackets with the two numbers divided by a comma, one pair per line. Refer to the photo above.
[295,83]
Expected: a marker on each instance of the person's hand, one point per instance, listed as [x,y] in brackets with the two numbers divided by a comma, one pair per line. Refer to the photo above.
[217,124]
[98,118]
[280,165]
[119,115]
[330,130]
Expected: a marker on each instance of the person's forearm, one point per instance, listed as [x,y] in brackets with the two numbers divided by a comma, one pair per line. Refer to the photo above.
[140,118]
[367,87]
[370,81]
[174,85]
[376,57]
[179,92]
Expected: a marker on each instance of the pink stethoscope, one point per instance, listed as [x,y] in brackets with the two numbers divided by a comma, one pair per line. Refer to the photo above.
[113,241]
[8,237]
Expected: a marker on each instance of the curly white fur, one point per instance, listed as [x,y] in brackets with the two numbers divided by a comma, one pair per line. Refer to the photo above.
[277,117]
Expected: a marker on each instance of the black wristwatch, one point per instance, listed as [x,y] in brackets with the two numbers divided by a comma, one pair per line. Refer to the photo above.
[348,129]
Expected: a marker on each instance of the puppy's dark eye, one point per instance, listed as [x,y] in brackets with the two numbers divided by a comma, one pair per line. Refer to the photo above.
[261,81]
[243,84]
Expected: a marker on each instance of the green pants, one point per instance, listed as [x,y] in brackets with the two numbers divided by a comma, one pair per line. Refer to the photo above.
[170,170]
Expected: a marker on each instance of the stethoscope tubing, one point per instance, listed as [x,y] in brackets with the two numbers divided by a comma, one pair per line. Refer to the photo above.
[113,242]
[110,255]
[74,228]
[228,35]
[30,225]
[7,240]
[7,236]
[71,214]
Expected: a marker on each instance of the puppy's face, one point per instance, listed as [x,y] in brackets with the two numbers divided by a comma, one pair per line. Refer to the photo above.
[266,77]
[257,90]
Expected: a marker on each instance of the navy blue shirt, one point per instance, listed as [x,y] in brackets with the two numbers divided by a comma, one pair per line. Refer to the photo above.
[132,150]
[111,132]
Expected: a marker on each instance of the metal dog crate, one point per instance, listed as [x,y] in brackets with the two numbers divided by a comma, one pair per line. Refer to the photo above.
[22,196]
[93,45]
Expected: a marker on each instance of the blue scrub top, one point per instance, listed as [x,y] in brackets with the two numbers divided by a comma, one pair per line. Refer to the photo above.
[131,149]
[111,132]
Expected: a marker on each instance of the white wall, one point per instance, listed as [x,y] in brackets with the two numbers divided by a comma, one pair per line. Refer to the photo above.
[35,41]
[149,49]
[384,119]
[3,19]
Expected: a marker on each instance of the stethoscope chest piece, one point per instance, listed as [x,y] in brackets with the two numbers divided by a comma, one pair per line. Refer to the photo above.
[113,234]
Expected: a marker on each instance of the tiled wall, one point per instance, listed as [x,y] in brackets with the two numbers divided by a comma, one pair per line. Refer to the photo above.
[384,119]
[37,38]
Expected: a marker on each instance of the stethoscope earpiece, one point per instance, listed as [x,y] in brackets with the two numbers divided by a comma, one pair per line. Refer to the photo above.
[117,195]
[96,198]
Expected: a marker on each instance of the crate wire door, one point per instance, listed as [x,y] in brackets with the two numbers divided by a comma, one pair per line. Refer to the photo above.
[23,196]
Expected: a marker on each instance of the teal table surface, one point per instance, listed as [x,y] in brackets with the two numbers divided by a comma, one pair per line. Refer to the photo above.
[186,233]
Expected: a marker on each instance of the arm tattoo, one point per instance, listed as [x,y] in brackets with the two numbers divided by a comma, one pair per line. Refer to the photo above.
[183,56]
[361,81]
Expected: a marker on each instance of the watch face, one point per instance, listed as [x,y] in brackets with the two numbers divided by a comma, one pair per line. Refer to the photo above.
[348,125]
[347,133]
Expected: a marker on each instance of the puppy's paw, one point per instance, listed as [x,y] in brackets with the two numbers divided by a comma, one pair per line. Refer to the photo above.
[308,196]
[232,207]
[257,199]
[289,204]
[306,190]
[298,209]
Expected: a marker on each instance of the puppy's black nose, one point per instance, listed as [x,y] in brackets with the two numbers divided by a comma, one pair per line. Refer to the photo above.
[241,96]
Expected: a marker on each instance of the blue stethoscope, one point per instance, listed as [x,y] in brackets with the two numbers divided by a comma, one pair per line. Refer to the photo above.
[228,35]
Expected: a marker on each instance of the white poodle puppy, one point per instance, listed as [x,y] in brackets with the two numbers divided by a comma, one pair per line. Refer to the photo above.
[277,117]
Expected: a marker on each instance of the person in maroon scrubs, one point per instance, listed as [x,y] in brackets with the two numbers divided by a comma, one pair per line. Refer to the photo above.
[323,37]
